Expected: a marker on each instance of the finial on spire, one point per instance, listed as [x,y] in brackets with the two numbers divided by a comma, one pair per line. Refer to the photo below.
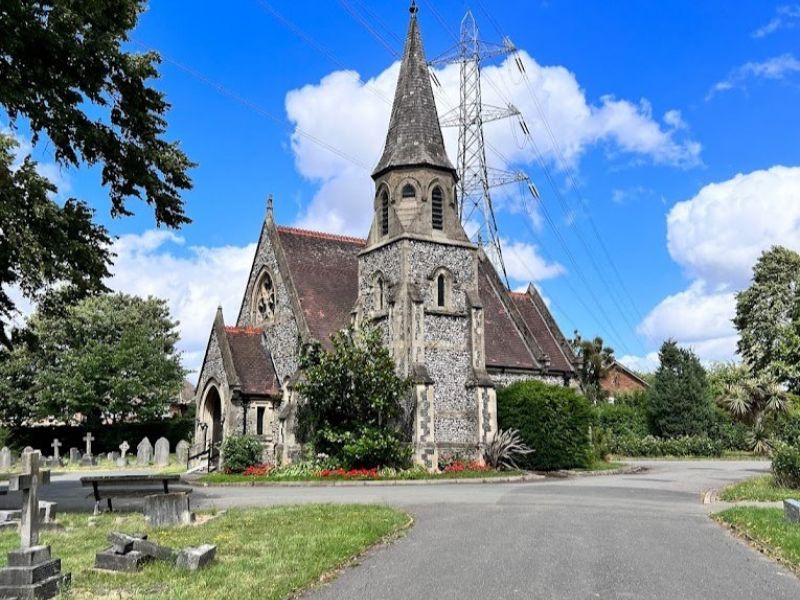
[269,206]
[413,8]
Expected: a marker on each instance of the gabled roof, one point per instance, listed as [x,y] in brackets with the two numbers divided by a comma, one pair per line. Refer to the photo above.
[324,270]
[414,137]
[543,328]
[251,362]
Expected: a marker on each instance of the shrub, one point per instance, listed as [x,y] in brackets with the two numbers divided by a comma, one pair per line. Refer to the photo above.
[504,450]
[654,446]
[785,427]
[240,452]
[732,434]
[554,421]
[621,420]
[786,466]
[679,401]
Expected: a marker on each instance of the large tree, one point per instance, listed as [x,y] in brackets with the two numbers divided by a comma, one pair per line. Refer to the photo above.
[353,409]
[768,318]
[110,357]
[595,361]
[65,76]
[679,401]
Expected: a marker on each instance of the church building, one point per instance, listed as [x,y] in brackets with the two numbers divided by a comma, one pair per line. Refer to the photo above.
[450,322]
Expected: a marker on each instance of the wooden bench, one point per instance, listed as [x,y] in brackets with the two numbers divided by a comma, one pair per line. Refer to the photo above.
[129,486]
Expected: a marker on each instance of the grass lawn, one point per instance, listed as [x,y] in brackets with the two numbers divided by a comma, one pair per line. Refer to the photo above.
[761,488]
[412,474]
[263,553]
[766,528]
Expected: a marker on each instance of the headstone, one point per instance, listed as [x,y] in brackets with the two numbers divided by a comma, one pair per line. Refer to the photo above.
[182,452]
[122,461]
[27,449]
[88,459]
[56,449]
[196,558]
[791,510]
[129,552]
[74,456]
[31,572]
[88,438]
[47,511]
[167,510]
[5,458]
[111,561]
[162,452]
[144,453]
[113,456]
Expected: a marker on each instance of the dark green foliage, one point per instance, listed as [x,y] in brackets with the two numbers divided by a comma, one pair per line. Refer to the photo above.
[785,427]
[655,447]
[353,409]
[554,421]
[110,358]
[786,466]
[65,76]
[621,420]
[768,318]
[107,437]
[730,432]
[240,452]
[679,400]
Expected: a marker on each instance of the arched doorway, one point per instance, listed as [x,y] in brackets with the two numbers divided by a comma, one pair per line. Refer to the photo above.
[212,416]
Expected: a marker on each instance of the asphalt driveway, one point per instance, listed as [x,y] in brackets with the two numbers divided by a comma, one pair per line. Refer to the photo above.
[645,536]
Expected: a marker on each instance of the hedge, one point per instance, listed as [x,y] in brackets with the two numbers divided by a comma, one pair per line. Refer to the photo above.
[106,438]
[654,446]
[621,420]
[553,420]
[786,466]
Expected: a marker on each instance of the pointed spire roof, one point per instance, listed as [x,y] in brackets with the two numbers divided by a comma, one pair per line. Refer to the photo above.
[415,137]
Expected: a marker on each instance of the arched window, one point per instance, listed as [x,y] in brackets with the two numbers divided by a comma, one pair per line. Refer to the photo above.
[264,304]
[384,213]
[441,290]
[380,293]
[437,208]
[408,191]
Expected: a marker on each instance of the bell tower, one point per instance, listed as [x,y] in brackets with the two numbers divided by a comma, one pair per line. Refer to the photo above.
[418,274]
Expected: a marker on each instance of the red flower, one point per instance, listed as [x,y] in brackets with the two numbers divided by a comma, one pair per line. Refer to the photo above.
[257,470]
[351,474]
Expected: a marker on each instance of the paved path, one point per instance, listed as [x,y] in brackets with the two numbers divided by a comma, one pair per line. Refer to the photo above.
[643,536]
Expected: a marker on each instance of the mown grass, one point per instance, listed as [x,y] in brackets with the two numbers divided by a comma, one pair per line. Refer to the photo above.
[767,528]
[261,553]
[410,475]
[760,489]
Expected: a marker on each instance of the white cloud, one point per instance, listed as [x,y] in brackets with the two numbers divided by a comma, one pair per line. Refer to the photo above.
[775,68]
[524,262]
[786,17]
[643,364]
[353,116]
[148,264]
[719,233]
[717,236]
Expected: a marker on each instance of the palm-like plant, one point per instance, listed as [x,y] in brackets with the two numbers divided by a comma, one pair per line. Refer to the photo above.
[502,451]
[750,399]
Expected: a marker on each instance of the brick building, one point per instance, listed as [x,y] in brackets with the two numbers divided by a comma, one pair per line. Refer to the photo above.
[620,379]
[451,324]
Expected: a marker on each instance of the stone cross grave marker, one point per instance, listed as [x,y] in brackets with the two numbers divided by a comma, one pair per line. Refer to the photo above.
[122,461]
[28,483]
[56,453]
[144,452]
[31,572]
[162,452]
[5,458]
[88,438]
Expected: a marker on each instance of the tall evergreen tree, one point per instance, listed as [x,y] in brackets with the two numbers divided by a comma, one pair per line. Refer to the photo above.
[679,400]
[768,318]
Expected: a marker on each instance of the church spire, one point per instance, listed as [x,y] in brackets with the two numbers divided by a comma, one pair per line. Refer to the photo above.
[415,137]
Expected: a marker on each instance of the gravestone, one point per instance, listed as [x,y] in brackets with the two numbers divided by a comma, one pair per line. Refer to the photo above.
[791,510]
[144,453]
[27,449]
[6,459]
[196,558]
[74,456]
[122,461]
[31,572]
[56,449]
[88,459]
[167,510]
[182,452]
[162,452]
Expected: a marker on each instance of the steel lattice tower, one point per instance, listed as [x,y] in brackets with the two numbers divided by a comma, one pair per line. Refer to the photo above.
[475,178]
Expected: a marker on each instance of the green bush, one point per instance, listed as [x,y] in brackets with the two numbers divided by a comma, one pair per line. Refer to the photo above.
[655,447]
[240,452]
[621,420]
[731,433]
[785,427]
[786,466]
[554,421]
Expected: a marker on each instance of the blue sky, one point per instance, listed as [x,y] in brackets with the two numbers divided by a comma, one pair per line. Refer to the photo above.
[678,121]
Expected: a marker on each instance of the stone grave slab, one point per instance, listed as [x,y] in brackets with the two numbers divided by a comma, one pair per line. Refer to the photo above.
[162,452]
[791,510]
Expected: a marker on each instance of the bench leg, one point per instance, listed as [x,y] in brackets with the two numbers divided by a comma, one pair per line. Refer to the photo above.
[96,507]
[110,509]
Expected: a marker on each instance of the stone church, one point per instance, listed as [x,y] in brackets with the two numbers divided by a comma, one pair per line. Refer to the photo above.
[451,324]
